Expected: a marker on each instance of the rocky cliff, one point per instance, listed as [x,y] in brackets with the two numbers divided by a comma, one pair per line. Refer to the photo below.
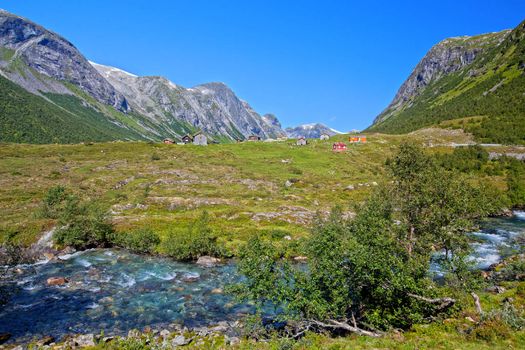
[474,83]
[31,54]
[213,107]
[94,96]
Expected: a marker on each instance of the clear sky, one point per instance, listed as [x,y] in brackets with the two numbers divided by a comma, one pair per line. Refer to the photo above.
[337,62]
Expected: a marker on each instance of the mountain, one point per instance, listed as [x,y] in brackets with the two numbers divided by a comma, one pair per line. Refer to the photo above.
[477,83]
[310,131]
[213,107]
[92,102]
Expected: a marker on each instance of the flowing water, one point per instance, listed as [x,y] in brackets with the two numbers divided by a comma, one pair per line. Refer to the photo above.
[115,291]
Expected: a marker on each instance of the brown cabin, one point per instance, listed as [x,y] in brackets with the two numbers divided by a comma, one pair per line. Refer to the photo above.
[254,138]
[187,139]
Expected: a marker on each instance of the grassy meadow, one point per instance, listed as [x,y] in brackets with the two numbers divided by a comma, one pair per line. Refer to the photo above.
[272,188]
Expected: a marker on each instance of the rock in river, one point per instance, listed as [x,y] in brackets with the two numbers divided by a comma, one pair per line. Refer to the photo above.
[56,281]
[208,261]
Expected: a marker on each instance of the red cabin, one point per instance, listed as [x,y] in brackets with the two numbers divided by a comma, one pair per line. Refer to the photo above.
[339,147]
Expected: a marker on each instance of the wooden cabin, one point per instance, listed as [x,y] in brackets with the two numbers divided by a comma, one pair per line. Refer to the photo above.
[301,141]
[254,138]
[187,139]
[339,147]
[168,141]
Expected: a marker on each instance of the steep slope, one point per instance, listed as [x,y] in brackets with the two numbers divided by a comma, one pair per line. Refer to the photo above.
[213,108]
[310,131]
[30,54]
[481,76]
[50,67]
[29,118]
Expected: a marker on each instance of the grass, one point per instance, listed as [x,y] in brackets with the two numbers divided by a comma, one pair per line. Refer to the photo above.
[166,187]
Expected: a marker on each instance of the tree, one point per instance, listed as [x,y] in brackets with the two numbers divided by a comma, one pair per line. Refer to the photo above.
[369,274]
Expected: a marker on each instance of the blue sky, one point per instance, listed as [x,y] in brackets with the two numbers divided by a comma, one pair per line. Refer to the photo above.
[337,62]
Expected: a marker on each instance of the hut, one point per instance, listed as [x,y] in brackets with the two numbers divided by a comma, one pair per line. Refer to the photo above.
[324,137]
[254,138]
[301,141]
[187,139]
[357,139]
[339,147]
[200,139]
[168,141]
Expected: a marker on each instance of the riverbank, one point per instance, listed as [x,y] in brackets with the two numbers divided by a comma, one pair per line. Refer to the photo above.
[115,291]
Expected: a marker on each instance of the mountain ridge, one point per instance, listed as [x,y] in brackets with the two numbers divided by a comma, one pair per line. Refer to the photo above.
[475,83]
[149,108]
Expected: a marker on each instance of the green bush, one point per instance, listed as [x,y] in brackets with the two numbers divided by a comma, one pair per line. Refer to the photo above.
[84,225]
[141,241]
[53,202]
[199,240]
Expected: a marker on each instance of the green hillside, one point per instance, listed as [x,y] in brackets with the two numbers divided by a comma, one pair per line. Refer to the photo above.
[492,87]
[28,118]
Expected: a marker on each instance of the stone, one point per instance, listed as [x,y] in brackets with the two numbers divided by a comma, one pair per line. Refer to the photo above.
[470,319]
[49,256]
[350,187]
[84,340]
[287,238]
[4,337]
[190,277]
[216,291]
[164,333]
[232,340]
[56,281]
[134,334]
[45,341]
[180,340]
[495,289]
[208,261]
[288,183]
[300,258]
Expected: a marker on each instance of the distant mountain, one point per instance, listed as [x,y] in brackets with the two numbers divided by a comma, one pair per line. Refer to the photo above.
[482,77]
[310,131]
[91,102]
[213,108]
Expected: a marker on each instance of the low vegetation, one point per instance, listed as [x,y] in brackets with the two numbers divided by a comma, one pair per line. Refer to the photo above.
[369,274]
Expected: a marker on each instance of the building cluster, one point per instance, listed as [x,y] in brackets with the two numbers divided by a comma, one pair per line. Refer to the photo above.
[200,139]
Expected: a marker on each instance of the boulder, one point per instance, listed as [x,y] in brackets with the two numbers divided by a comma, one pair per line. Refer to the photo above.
[180,340]
[191,277]
[4,337]
[495,289]
[300,258]
[56,281]
[208,261]
[45,341]
[216,291]
[82,340]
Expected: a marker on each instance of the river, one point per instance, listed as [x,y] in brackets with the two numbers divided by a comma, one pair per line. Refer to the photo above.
[114,291]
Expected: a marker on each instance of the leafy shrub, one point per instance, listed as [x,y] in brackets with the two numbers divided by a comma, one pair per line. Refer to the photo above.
[141,241]
[84,225]
[199,240]
[155,156]
[53,202]
[498,324]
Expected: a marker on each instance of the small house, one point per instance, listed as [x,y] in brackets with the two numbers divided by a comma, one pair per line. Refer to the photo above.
[187,139]
[200,139]
[357,139]
[301,141]
[324,137]
[168,141]
[254,138]
[339,147]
